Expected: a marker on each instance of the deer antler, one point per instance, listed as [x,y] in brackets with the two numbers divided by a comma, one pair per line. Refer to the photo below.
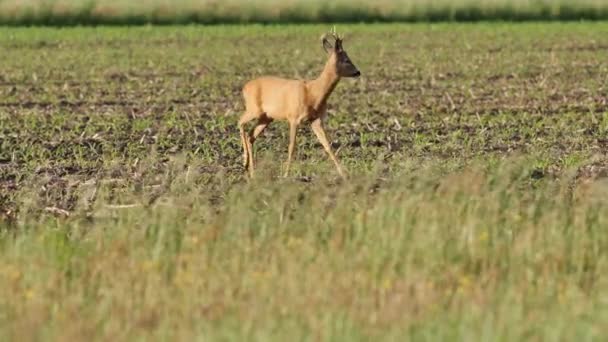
[334,34]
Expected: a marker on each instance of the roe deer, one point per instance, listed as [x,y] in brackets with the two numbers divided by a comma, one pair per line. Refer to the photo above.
[296,101]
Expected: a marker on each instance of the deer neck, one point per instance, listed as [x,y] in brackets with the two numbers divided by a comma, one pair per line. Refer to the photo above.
[321,88]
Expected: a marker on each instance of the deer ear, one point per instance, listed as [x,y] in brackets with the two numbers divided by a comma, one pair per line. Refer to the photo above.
[327,45]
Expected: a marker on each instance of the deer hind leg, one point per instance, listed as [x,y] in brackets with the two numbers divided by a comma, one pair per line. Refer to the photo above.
[263,122]
[317,127]
[260,126]
[247,153]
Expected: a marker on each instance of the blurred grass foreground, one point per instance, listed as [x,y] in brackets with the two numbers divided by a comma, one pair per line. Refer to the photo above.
[118,12]
[474,254]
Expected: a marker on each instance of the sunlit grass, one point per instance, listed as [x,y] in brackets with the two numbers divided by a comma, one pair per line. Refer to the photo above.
[478,252]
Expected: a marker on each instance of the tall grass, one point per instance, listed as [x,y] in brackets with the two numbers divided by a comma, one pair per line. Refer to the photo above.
[85,12]
[486,253]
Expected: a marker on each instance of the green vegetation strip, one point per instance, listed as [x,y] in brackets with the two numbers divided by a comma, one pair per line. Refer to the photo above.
[123,12]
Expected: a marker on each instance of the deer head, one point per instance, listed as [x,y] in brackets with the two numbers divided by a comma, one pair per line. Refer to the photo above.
[338,57]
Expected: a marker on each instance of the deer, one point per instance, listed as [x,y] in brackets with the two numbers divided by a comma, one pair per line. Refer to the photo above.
[297,101]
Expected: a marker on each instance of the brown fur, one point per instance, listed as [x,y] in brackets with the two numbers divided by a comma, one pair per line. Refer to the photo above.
[295,101]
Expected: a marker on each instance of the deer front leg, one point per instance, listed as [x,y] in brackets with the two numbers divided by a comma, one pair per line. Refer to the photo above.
[317,127]
[293,127]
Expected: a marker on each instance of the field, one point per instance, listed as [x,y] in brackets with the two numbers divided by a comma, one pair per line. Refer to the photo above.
[475,207]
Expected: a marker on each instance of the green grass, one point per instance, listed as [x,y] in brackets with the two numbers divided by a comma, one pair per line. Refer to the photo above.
[474,255]
[475,211]
[93,12]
